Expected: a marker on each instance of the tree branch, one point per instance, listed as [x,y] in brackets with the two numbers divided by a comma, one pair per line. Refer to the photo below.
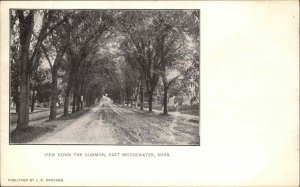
[44,50]
[182,73]
[43,34]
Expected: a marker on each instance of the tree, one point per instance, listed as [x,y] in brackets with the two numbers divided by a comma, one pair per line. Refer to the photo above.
[39,78]
[26,28]
[88,28]
[139,36]
[59,40]
[30,54]
[15,78]
[159,43]
[172,40]
[43,91]
[102,77]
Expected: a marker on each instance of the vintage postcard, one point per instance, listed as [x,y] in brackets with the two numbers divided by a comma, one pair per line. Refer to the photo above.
[149,93]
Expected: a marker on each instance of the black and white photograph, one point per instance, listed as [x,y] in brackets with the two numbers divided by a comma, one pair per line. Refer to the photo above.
[149,93]
[105,76]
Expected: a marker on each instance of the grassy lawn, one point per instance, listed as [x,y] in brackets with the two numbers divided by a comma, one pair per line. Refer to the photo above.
[41,128]
[28,134]
[35,115]
[183,109]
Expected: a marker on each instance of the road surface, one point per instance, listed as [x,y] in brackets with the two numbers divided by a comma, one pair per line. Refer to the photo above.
[108,123]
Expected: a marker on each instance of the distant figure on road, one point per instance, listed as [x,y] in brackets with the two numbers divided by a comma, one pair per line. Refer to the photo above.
[105,100]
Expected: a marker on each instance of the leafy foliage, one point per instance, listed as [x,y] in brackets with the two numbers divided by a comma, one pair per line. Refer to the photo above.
[124,53]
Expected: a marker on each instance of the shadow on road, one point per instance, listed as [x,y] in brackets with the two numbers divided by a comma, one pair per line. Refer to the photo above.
[73,115]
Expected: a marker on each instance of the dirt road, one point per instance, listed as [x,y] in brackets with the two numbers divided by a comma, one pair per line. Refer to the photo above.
[112,124]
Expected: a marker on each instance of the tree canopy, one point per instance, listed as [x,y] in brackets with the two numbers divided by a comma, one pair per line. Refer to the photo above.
[73,57]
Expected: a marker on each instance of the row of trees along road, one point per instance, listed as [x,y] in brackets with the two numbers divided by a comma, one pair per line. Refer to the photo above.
[70,54]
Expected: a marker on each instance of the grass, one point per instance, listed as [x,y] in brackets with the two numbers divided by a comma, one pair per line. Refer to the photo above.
[184,109]
[35,115]
[194,120]
[28,134]
[74,115]
[33,132]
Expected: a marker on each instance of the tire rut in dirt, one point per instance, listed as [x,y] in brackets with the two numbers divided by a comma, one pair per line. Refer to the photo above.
[177,131]
[148,132]
[117,119]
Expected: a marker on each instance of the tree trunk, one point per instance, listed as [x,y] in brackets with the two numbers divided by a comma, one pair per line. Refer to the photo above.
[74,102]
[81,104]
[26,27]
[141,97]
[91,98]
[137,97]
[124,98]
[165,102]
[17,105]
[54,70]
[54,98]
[23,114]
[32,100]
[74,95]
[121,98]
[78,103]
[66,102]
[16,101]
[131,97]
[81,94]
[150,94]
[164,77]
[68,92]
[88,99]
